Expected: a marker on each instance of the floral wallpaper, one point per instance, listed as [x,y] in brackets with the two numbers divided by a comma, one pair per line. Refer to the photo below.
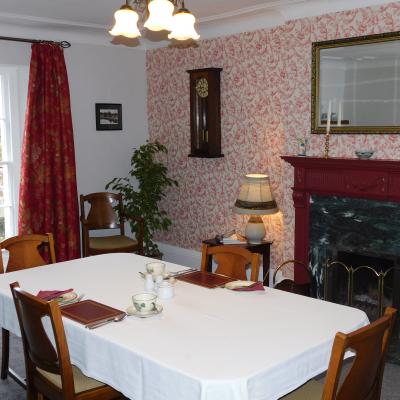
[266,104]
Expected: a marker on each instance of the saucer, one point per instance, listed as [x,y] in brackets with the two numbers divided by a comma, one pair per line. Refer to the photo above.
[131,310]
[238,284]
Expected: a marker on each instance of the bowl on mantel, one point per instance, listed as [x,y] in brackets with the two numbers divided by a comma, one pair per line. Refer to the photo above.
[364,154]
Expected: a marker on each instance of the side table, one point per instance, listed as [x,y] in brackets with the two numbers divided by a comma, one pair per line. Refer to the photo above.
[263,248]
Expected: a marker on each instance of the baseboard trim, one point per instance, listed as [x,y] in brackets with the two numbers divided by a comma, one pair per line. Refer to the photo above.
[179,255]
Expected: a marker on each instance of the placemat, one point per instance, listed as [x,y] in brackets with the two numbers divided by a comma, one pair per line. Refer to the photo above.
[205,279]
[89,311]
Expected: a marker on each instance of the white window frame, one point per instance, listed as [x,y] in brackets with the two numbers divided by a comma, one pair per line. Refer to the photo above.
[14,81]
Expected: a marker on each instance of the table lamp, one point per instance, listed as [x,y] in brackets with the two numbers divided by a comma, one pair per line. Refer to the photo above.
[255,199]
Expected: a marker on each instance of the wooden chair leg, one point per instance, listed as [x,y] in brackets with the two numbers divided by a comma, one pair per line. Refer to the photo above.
[5,352]
[33,394]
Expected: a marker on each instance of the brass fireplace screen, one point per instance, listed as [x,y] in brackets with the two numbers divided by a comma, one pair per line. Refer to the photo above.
[364,284]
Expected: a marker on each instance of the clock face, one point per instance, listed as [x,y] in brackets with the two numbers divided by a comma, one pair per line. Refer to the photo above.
[202,87]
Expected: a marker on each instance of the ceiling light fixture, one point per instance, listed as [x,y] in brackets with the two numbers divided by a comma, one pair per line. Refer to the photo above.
[161,17]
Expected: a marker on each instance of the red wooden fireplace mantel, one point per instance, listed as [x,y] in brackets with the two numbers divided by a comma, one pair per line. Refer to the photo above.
[345,177]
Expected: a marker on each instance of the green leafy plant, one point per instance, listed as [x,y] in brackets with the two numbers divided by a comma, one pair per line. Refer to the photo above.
[152,180]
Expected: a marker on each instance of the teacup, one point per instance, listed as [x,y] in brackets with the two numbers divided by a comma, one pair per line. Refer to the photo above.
[155,268]
[144,302]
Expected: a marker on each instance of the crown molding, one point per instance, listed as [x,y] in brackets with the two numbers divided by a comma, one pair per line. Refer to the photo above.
[33,20]
[313,8]
[249,10]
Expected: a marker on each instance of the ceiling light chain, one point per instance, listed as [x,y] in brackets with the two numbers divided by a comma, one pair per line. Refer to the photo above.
[162,16]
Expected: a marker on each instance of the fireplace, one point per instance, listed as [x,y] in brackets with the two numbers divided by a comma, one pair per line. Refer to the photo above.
[333,199]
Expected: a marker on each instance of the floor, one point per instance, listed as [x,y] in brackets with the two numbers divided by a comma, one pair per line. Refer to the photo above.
[9,390]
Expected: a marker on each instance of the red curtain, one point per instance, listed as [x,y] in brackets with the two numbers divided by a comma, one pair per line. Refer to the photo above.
[48,199]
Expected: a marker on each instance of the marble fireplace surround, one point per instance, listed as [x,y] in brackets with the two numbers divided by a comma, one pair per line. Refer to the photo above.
[345,177]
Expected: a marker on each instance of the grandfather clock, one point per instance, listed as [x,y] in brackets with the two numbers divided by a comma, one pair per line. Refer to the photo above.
[205,112]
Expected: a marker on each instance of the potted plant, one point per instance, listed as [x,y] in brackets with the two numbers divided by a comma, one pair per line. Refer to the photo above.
[152,180]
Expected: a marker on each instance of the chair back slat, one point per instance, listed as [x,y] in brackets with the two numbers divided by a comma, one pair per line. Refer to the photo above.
[40,348]
[364,380]
[25,251]
[101,214]
[232,261]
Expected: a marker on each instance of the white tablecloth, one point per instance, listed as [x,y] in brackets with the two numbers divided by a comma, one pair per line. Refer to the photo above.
[208,344]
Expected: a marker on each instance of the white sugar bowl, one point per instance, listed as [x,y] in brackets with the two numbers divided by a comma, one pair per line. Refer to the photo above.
[165,290]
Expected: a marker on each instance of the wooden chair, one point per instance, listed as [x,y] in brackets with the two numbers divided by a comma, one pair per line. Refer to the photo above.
[48,369]
[102,215]
[289,285]
[364,379]
[24,252]
[232,261]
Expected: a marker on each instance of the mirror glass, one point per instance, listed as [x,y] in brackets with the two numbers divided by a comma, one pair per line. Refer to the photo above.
[359,82]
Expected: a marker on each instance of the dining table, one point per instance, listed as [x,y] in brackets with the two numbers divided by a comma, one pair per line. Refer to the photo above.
[206,344]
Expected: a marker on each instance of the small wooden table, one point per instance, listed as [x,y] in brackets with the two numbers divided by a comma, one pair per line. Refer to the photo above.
[263,248]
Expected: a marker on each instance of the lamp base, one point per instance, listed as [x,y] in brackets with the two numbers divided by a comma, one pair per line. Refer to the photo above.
[255,230]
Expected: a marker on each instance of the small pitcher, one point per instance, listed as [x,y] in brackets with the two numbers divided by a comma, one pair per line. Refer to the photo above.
[165,290]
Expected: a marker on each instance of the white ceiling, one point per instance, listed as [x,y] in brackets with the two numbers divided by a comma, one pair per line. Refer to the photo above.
[87,20]
[99,12]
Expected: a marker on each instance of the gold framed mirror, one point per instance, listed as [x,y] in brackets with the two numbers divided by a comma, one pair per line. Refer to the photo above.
[357,82]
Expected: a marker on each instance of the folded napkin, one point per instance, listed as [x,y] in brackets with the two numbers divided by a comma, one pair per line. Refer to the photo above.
[52,294]
[252,288]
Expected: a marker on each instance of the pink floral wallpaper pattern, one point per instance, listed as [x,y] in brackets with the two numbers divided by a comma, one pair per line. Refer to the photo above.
[266,104]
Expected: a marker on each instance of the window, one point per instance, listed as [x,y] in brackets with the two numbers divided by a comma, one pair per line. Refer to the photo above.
[13,88]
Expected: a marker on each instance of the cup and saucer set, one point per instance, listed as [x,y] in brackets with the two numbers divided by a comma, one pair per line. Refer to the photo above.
[144,305]
[156,285]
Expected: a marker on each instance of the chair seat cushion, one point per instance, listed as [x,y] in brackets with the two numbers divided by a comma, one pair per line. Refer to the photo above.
[112,242]
[312,390]
[81,381]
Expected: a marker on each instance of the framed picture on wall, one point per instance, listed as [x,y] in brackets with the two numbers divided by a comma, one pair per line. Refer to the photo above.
[108,117]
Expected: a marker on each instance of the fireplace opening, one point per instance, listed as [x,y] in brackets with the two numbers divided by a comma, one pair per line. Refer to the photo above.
[361,238]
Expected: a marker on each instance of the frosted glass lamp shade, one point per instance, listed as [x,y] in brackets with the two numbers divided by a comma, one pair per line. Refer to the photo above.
[126,23]
[183,26]
[255,199]
[160,15]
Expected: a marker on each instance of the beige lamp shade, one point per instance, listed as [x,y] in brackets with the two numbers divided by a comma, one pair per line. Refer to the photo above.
[255,196]
[255,199]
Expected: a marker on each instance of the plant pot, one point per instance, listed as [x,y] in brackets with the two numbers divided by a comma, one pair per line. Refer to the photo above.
[158,256]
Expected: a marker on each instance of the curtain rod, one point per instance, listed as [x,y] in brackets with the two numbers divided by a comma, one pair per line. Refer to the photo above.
[64,44]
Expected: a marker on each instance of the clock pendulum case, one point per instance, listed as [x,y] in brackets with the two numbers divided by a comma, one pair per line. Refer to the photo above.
[205,112]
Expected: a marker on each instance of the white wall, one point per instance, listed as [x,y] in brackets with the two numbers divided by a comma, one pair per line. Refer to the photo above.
[99,74]
[106,75]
